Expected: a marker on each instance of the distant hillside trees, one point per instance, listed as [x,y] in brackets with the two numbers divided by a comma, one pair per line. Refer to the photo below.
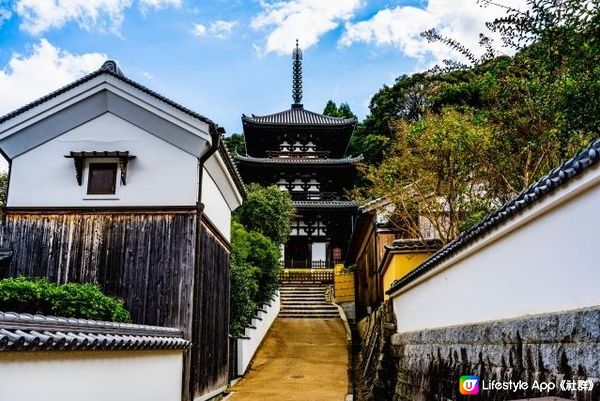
[524,113]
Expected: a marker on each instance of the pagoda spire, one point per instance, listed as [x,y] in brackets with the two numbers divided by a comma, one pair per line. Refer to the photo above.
[297,82]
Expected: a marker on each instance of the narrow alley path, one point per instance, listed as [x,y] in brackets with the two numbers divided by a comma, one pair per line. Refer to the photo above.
[300,360]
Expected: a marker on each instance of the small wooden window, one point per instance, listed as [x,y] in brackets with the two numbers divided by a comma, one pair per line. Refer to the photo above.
[102,178]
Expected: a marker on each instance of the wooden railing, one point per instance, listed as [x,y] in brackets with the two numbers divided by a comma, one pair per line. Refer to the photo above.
[307,277]
[317,154]
[308,196]
[308,264]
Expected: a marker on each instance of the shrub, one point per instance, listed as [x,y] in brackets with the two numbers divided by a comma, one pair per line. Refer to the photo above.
[267,210]
[37,295]
[255,267]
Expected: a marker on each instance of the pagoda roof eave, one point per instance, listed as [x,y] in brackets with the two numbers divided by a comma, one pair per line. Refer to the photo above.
[299,162]
[330,205]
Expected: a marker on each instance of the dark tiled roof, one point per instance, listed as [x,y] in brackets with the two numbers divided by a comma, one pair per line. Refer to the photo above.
[110,68]
[553,180]
[298,116]
[101,154]
[299,161]
[415,244]
[325,204]
[406,246]
[25,332]
[232,168]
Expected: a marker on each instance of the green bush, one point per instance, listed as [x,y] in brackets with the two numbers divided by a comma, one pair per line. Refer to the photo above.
[255,267]
[37,295]
[267,210]
[258,227]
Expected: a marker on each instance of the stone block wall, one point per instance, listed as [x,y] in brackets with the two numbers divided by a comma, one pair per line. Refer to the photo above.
[427,365]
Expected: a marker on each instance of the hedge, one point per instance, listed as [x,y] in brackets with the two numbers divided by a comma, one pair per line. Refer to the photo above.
[38,295]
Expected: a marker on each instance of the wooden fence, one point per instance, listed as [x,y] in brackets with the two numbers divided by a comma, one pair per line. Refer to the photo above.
[307,277]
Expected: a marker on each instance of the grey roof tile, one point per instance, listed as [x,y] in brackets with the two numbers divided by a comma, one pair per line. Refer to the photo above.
[25,332]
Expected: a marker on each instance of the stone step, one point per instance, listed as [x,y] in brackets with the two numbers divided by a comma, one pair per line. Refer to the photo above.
[301,291]
[310,315]
[314,296]
[300,304]
[305,305]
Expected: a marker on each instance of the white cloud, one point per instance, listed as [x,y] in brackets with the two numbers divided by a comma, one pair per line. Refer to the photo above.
[47,68]
[306,20]
[41,15]
[199,30]
[158,4]
[219,29]
[402,26]
[5,14]
[222,28]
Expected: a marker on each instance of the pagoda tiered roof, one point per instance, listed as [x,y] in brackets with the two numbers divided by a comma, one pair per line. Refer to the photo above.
[297,115]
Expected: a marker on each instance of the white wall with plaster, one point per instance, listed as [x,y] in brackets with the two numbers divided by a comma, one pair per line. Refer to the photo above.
[248,346]
[543,260]
[160,175]
[91,376]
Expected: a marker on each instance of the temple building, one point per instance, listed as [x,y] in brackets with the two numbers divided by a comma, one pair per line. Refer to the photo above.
[303,152]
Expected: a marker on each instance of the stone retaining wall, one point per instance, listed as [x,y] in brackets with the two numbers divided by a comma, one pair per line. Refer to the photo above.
[427,365]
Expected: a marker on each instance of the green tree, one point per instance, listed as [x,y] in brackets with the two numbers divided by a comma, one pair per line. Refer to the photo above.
[331,109]
[235,143]
[343,111]
[436,173]
[267,210]
[255,268]
[244,281]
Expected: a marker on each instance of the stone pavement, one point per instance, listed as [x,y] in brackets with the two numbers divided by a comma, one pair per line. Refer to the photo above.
[300,360]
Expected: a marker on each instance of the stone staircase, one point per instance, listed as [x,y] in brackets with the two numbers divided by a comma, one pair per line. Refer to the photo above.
[306,302]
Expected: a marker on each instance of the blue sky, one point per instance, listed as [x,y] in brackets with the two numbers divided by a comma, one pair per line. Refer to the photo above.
[224,58]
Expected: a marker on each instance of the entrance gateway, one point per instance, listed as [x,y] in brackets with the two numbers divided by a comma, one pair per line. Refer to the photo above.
[303,152]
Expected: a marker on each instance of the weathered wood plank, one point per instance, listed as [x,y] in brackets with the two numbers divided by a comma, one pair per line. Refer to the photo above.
[132,256]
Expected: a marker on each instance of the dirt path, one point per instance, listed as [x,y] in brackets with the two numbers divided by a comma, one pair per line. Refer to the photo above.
[301,359]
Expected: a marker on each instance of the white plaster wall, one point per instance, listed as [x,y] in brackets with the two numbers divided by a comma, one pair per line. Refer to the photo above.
[546,261]
[160,175]
[91,376]
[247,347]
[215,206]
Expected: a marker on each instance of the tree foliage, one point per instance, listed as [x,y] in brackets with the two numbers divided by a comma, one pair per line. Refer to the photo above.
[236,143]
[267,210]
[528,111]
[343,111]
[428,174]
[258,229]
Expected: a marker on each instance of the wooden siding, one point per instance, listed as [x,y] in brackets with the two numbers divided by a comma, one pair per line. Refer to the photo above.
[213,320]
[145,259]
[369,290]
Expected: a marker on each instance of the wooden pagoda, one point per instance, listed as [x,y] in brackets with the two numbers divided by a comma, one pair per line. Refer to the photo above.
[303,152]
